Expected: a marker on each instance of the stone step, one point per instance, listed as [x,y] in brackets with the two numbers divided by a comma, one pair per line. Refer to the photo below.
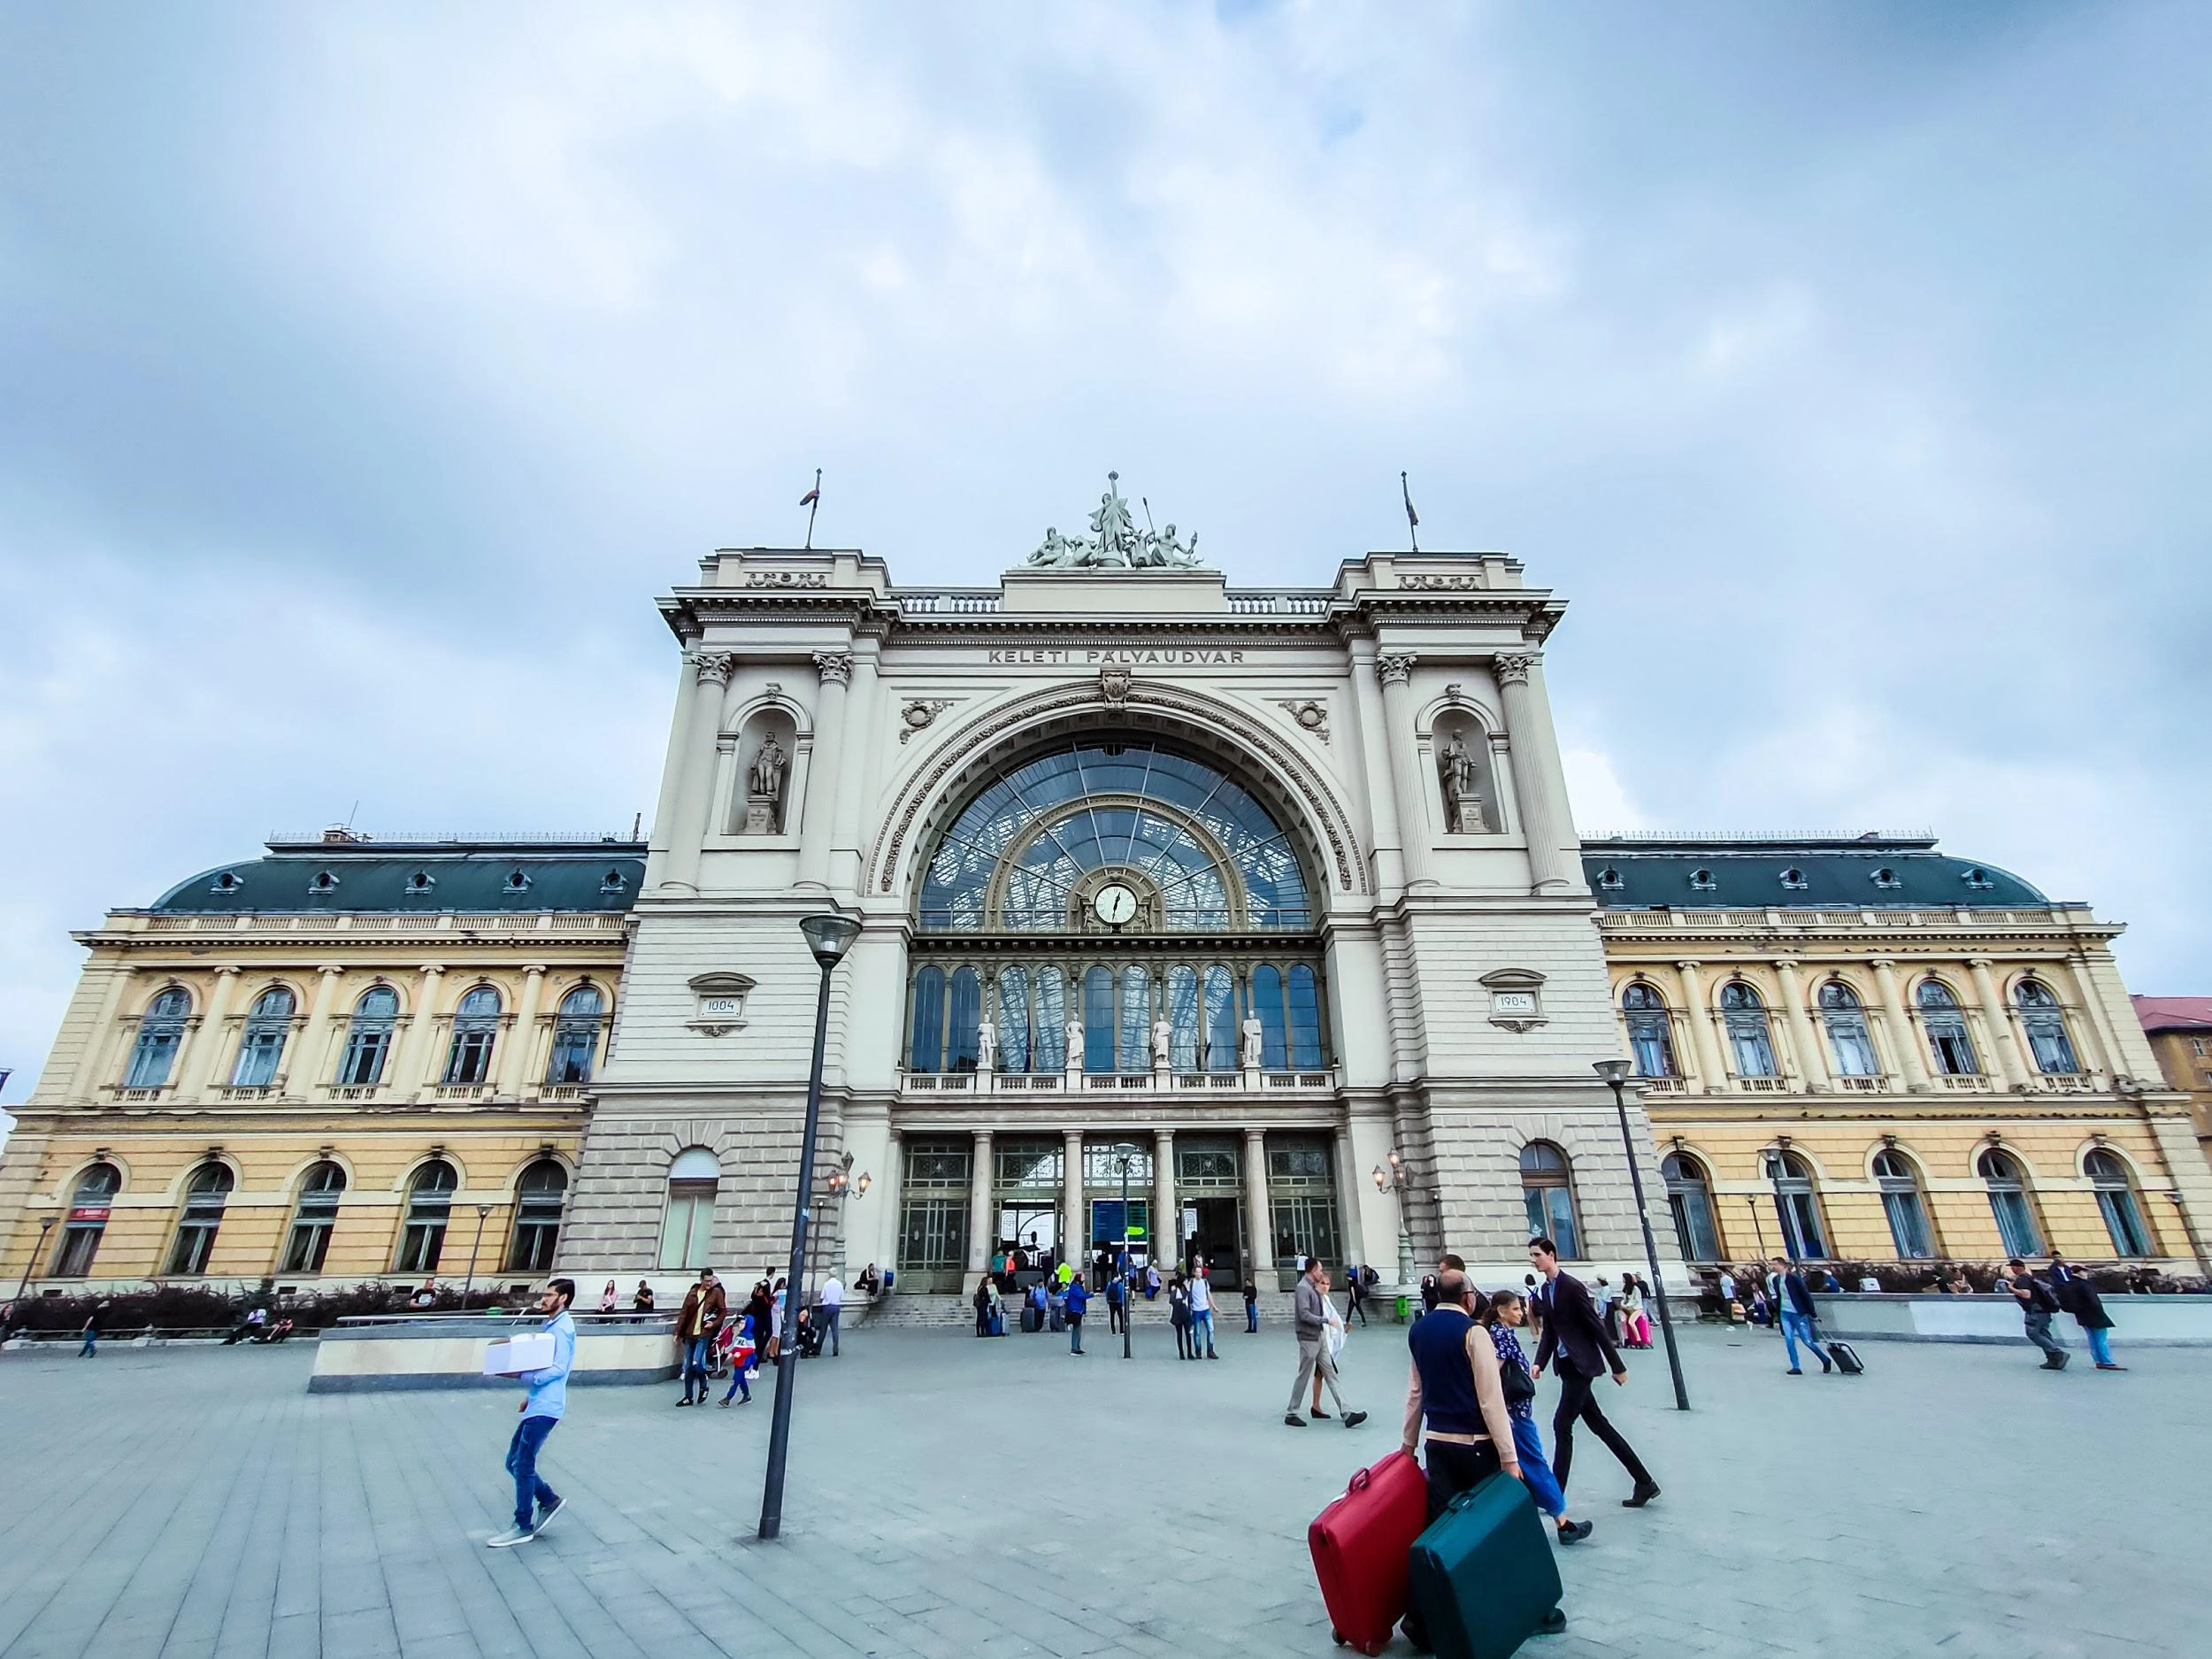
[948,1311]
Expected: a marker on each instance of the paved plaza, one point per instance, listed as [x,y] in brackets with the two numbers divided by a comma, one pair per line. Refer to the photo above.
[952,1497]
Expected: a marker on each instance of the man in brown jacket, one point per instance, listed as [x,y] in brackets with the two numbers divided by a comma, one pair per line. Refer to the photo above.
[705,1308]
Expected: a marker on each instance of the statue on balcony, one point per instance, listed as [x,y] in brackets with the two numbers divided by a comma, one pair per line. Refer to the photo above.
[1252,1042]
[1075,1045]
[987,1047]
[1115,541]
[1162,1037]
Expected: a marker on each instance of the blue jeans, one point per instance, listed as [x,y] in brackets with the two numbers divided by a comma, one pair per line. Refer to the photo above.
[522,1464]
[828,1316]
[2099,1344]
[1528,1445]
[1075,1332]
[1797,1328]
[696,1349]
[1202,1324]
[739,1384]
[91,1347]
[1252,1316]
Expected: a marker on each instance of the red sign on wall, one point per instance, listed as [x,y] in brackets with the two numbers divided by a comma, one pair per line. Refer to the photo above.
[89,1212]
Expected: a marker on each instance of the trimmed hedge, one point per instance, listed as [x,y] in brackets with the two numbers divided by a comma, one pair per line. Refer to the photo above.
[168,1308]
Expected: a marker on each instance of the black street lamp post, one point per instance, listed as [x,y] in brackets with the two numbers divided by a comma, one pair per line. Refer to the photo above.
[828,937]
[1122,1155]
[1616,1075]
[45,1226]
[482,1212]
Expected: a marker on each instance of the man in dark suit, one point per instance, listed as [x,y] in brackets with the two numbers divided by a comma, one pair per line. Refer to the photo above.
[1577,1337]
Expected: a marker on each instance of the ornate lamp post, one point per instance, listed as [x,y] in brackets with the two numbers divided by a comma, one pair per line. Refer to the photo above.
[1616,1075]
[1122,1155]
[45,1226]
[828,937]
[1397,1181]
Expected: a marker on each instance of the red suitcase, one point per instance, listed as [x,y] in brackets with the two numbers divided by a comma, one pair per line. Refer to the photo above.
[1360,1544]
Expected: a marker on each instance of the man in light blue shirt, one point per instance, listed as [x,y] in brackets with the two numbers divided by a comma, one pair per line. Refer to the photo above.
[541,1412]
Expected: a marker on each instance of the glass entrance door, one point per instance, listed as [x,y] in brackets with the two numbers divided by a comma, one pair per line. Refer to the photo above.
[1216,1243]
[934,1244]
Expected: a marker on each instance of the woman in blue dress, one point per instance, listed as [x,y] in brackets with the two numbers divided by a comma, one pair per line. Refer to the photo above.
[1506,1311]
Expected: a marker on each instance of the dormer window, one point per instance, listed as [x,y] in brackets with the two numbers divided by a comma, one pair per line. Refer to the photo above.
[1609,879]
[615,882]
[229,882]
[1885,877]
[1793,879]
[324,883]
[1701,881]
[518,881]
[1978,879]
[421,881]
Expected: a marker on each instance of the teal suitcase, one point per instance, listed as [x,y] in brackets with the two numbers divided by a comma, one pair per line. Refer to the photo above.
[1482,1579]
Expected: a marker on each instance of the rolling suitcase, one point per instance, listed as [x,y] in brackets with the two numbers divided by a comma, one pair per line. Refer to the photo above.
[1032,1320]
[1847,1358]
[1359,1546]
[1482,1579]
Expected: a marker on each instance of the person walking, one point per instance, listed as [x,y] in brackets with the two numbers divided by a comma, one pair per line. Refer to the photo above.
[1502,1316]
[1333,1332]
[94,1323]
[705,1307]
[2078,1296]
[744,1354]
[1251,1305]
[1356,1294]
[1202,1313]
[1309,1322]
[1116,1305]
[1577,1337]
[1078,1300]
[1151,1280]
[542,1408]
[1794,1301]
[2038,1302]
[829,1302]
[1178,1314]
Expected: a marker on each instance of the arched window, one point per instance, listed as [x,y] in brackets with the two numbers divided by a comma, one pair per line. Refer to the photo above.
[967,1016]
[1182,1017]
[1305,1018]
[1136,1021]
[88,1210]
[2008,1203]
[1946,1024]
[475,1029]
[369,1037]
[925,1047]
[1746,1017]
[1052,1020]
[1547,1194]
[313,1218]
[160,1034]
[539,1195]
[1902,1203]
[1098,1019]
[1267,1003]
[1796,1207]
[1650,1036]
[1013,1020]
[2047,1041]
[688,1228]
[1221,1020]
[1849,1038]
[429,1203]
[575,1037]
[261,1045]
[205,1196]
[1690,1196]
[2115,1197]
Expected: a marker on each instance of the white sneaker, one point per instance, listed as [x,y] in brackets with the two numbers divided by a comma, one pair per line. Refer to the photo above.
[509,1539]
[545,1516]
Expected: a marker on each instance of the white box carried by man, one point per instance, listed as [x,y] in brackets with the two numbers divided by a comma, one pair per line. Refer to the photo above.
[518,1354]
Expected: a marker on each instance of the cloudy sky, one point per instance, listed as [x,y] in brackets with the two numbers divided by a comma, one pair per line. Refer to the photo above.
[366,370]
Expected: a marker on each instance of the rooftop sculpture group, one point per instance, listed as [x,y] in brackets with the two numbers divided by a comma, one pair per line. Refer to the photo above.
[1115,541]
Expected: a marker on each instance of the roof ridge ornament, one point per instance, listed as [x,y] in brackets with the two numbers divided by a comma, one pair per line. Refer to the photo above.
[1115,541]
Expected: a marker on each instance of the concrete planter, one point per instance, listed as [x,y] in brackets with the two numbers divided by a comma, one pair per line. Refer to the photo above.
[2141,1321]
[449,1352]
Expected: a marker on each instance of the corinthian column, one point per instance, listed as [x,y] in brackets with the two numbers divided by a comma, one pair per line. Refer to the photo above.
[1258,1232]
[819,809]
[1994,1015]
[1700,1013]
[981,1222]
[1395,669]
[308,1070]
[1904,1036]
[210,1049]
[1546,822]
[514,1065]
[695,784]
[1809,1058]
[846,829]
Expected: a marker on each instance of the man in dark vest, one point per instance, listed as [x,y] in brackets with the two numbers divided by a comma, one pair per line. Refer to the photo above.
[1454,1387]
[1575,1334]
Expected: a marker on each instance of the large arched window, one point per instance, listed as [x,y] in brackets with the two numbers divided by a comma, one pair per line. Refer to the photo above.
[1650,1037]
[2045,1027]
[1746,1017]
[687,1226]
[314,1219]
[2115,1199]
[539,1195]
[89,1206]
[2016,1228]
[429,1204]
[261,1045]
[205,1196]
[475,1029]
[1903,1205]
[1848,1039]
[369,1037]
[160,1034]
[1690,1196]
[575,1037]
[1945,1023]
[1797,1207]
[1547,1195]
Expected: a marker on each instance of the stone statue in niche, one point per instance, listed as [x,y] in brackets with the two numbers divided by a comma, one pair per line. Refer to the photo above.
[1461,775]
[1163,1034]
[987,1047]
[1252,1040]
[763,789]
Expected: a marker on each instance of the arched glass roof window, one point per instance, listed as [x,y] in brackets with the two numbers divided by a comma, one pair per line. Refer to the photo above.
[1037,849]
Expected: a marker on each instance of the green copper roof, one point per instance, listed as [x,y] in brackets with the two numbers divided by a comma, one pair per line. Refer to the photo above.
[422,876]
[1871,872]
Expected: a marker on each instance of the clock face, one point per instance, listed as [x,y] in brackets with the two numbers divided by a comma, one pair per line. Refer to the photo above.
[1114,904]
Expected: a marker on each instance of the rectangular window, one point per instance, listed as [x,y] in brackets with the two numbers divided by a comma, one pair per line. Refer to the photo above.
[80,1243]
[2016,1223]
[306,1245]
[687,1228]
[1908,1225]
[420,1247]
[363,1066]
[151,1060]
[1551,1215]
[194,1243]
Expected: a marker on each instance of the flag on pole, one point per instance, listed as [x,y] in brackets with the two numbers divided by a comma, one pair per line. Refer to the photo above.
[812,496]
[1413,519]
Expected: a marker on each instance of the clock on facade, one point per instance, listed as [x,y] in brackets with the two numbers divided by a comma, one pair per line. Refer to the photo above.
[1113,904]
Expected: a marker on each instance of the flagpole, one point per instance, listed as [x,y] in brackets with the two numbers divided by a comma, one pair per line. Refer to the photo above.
[813,506]
[1413,519]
